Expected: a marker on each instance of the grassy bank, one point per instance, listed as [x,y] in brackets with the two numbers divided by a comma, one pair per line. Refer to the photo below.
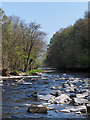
[34,72]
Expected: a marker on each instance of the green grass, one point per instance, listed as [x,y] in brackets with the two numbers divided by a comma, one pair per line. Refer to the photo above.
[33,72]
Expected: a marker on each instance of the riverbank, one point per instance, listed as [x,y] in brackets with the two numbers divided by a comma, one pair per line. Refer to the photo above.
[11,77]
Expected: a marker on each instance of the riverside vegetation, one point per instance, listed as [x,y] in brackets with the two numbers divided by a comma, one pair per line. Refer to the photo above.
[24,46]
[69,47]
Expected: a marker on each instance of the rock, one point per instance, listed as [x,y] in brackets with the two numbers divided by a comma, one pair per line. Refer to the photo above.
[78,112]
[44,78]
[5,72]
[55,87]
[61,99]
[51,108]
[80,108]
[37,109]
[22,74]
[1,81]
[82,95]
[72,95]
[13,84]
[14,73]
[45,104]
[35,94]
[56,93]
[52,87]
[88,108]
[52,100]
[27,83]
[79,101]
[22,82]
[65,111]
[83,110]
[45,82]
[46,97]
[56,111]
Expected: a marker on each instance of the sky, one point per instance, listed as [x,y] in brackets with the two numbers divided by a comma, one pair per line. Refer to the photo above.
[51,15]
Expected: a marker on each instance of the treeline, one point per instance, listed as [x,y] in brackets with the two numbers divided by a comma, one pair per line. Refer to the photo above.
[22,43]
[69,47]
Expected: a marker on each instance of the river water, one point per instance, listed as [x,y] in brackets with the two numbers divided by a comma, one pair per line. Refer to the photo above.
[17,97]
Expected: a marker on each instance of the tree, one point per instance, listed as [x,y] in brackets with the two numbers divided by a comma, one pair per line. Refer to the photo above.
[68,47]
[22,43]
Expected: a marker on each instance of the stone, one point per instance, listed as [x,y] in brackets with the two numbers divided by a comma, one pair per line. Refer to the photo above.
[56,111]
[88,108]
[37,109]
[82,95]
[45,82]
[72,95]
[45,104]
[14,73]
[61,99]
[5,72]
[56,93]
[51,108]
[79,101]
[80,108]
[65,111]
[51,100]
[52,87]
[44,78]
[46,97]
[55,87]
[27,83]
[22,82]
[78,112]
[35,94]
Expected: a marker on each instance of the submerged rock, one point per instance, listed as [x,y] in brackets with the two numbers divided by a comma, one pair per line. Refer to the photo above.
[56,93]
[37,109]
[35,94]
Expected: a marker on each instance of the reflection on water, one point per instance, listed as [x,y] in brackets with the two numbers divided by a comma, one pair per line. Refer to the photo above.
[17,97]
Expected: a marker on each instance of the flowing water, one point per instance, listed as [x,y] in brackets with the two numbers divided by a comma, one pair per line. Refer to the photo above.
[17,97]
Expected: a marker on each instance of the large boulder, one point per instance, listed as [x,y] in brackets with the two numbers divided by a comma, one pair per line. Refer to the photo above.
[37,109]
[5,72]
[14,73]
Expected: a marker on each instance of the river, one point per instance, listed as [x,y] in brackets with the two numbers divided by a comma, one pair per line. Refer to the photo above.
[16,98]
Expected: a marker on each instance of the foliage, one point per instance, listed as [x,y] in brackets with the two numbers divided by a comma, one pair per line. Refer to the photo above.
[22,43]
[68,47]
[34,71]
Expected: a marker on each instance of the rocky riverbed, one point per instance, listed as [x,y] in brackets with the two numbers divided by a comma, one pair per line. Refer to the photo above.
[53,95]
